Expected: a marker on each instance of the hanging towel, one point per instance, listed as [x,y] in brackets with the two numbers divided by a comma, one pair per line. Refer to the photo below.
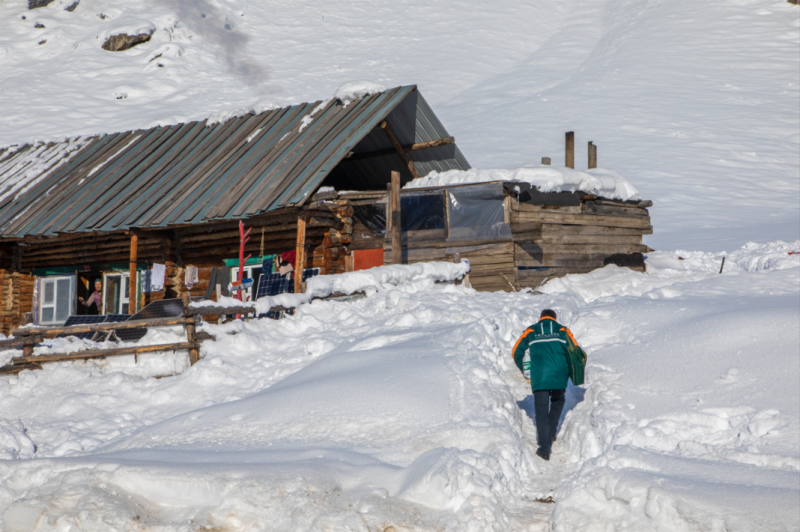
[190,277]
[219,276]
[157,279]
[146,277]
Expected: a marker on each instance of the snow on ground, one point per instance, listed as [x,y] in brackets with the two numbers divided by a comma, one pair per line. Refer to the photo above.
[404,409]
[694,102]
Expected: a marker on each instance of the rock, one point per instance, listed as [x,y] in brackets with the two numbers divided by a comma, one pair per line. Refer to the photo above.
[123,41]
[72,6]
[33,4]
[39,25]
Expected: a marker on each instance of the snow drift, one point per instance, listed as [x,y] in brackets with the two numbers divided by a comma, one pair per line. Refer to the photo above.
[404,409]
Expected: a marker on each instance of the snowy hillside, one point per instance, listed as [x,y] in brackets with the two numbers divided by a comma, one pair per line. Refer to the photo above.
[695,103]
[405,409]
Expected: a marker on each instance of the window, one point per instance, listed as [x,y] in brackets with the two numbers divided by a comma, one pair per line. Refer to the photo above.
[420,212]
[117,292]
[373,216]
[250,272]
[55,300]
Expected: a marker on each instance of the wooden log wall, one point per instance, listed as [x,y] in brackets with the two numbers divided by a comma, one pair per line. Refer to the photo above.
[186,245]
[329,230]
[330,255]
[175,282]
[16,298]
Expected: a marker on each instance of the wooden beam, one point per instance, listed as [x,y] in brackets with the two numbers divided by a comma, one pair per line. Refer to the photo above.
[569,149]
[156,234]
[132,272]
[300,254]
[592,155]
[407,147]
[400,150]
[102,353]
[397,245]
[52,332]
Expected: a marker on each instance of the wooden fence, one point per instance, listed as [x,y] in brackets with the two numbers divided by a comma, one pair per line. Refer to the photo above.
[29,337]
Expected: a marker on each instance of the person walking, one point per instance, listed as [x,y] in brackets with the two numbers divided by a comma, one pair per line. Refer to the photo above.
[548,355]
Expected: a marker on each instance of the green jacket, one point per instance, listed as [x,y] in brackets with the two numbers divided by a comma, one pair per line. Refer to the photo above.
[551,354]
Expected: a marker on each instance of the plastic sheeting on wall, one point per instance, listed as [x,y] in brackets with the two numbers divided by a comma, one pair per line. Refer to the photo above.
[477,213]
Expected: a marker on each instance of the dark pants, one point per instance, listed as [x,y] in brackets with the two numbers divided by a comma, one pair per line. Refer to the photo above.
[548,405]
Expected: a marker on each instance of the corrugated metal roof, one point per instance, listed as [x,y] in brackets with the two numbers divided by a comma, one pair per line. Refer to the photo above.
[193,173]
[412,122]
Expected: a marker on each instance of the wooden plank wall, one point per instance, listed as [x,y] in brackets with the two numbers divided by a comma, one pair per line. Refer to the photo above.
[488,260]
[563,240]
[547,242]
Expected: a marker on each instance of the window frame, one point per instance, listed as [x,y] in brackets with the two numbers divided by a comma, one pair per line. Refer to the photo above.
[54,279]
[249,271]
[124,296]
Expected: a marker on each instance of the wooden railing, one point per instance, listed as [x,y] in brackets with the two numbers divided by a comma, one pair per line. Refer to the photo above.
[29,337]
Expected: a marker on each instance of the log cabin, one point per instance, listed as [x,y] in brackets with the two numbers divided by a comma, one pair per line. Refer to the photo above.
[310,178]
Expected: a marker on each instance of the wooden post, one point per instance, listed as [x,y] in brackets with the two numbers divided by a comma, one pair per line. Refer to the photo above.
[27,347]
[300,254]
[546,161]
[397,238]
[132,270]
[191,332]
[592,155]
[399,148]
[569,152]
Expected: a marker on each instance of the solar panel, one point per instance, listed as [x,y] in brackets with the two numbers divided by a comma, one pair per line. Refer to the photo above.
[163,308]
[308,273]
[82,320]
[116,318]
[274,283]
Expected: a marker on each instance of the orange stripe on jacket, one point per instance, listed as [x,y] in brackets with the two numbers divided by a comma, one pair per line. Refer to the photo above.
[526,333]
[569,333]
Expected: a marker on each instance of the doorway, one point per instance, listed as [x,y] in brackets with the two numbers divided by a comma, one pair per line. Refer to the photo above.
[84,290]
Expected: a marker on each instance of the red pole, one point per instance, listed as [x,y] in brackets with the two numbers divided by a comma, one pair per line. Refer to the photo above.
[243,238]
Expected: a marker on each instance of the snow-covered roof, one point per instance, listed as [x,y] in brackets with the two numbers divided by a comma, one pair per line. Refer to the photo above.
[226,167]
[599,181]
